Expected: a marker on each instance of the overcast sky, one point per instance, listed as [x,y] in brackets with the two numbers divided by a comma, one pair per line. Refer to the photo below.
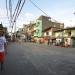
[60,10]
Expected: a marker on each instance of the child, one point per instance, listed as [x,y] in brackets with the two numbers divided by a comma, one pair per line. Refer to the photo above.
[2,48]
[66,43]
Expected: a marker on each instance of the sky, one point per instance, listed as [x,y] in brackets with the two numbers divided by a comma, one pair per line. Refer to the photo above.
[60,10]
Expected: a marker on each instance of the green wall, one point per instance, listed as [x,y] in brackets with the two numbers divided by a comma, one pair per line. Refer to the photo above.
[38,27]
[73,33]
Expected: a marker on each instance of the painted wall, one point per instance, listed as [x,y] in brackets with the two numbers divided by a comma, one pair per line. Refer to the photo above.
[58,34]
[73,33]
[65,33]
[38,27]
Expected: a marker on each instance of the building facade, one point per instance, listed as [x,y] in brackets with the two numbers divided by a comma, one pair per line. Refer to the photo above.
[44,27]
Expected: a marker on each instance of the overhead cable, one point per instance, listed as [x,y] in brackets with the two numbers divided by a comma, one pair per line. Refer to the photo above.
[10,10]
[18,11]
[17,8]
[38,7]
[15,12]
[41,10]
[7,8]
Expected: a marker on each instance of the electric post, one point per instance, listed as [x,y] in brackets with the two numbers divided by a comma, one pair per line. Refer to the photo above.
[15,29]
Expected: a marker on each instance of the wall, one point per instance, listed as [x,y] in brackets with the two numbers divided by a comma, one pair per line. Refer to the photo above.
[60,33]
[73,33]
[38,27]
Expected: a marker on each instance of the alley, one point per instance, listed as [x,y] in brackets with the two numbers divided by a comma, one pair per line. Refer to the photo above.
[36,59]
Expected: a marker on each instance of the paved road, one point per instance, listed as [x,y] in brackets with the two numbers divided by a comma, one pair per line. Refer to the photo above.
[34,59]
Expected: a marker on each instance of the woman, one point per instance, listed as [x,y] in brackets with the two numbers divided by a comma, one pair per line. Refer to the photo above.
[2,48]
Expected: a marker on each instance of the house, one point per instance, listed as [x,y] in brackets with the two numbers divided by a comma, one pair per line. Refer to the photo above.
[70,34]
[66,33]
[28,30]
[45,27]
[59,37]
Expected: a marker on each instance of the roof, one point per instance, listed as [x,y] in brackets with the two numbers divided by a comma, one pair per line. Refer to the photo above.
[49,18]
[69,28]
[41,17]
[59,30]
[47,29]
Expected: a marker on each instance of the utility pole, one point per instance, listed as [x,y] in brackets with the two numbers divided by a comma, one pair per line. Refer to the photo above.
[15,29]
[15,15]
[10,10]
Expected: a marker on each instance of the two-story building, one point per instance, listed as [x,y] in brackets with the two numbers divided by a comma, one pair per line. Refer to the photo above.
[68,34]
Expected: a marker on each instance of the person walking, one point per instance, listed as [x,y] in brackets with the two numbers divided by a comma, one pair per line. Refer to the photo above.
[2,48]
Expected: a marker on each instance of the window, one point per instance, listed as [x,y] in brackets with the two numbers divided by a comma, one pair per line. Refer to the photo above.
[47,33]
[37,31]
[54,25]
[37,24]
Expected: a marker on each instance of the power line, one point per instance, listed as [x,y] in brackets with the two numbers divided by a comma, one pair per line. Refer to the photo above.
[7,8]
[38,7]
[18,10]
[10,10]
[41,10]
[15,13]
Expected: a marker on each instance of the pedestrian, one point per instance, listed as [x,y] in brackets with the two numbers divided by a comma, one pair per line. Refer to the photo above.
[66,43]
[48,41]
[2,48]
[69,41]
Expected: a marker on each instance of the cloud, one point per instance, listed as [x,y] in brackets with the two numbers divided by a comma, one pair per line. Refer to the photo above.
[29,15]
[3,17]
[69,23]
[25,18]
[65,16]
[3,13]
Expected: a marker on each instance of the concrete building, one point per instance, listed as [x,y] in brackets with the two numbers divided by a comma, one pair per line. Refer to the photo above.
[46,23]
[45,26]
[68,34]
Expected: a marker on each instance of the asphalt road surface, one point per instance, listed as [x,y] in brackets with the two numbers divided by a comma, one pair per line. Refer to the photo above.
[35,59]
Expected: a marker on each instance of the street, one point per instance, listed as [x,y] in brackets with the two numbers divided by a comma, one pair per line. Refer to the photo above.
[38,59]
